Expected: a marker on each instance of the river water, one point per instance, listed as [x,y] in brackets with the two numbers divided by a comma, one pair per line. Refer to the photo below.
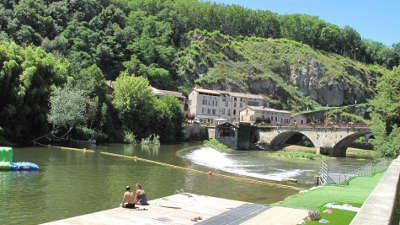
[74,183]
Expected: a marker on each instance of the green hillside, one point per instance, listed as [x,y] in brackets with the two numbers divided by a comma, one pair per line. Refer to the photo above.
[292,75]
[51,49]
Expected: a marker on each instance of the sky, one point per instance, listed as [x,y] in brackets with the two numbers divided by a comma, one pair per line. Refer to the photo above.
[377,20]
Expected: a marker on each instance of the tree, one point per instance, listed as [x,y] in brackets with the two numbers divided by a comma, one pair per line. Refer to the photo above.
[27,76]
[386,114]
[330,38]
[67,108]
[168,119]
[393,56]
[134,99]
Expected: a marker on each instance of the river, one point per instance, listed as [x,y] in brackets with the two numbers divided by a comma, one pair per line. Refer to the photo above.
[73,183]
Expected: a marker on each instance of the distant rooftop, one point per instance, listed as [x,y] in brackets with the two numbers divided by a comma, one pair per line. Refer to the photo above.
[234,94]
[266,109]
[157,92]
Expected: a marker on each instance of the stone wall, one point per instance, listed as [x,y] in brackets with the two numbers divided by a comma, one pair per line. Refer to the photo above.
[195,132]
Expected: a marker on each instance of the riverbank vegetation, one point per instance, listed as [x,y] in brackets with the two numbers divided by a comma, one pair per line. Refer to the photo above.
[173,45]
[386,115]
[303,153]
[214,143]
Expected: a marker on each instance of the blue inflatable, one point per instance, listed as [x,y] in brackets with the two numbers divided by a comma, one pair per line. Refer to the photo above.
[27,166]
[6,157]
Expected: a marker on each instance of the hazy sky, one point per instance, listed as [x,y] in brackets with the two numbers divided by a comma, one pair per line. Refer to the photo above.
[374,19]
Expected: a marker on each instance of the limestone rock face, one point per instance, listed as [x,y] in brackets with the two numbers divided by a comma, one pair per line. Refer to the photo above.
[313,81]
[290,75]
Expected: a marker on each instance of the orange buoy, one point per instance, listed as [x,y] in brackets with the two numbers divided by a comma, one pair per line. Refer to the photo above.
[209,173]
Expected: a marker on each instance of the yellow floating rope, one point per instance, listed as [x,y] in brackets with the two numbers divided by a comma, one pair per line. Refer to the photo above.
[135,158]
[73,149]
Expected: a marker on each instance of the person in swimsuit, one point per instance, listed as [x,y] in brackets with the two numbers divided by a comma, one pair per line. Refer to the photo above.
[140,197]
[128,201]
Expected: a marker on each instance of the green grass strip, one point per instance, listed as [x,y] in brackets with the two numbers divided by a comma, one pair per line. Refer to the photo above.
[355,193]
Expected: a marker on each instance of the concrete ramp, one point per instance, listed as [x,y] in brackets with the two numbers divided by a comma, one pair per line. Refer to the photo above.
[237,215]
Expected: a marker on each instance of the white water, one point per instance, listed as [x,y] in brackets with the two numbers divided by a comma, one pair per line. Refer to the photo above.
[241,164]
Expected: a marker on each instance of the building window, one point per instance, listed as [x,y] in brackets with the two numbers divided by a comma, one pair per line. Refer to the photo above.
[234,105]
[229,112]
[241,105]
[208,111]
[202,110]
[213,112]
[234,112]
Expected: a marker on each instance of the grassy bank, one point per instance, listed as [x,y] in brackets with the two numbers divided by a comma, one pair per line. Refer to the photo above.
[355,193]
[213,143]
[338,217]
[296,152]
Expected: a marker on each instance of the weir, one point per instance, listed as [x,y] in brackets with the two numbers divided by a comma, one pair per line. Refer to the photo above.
[237,178]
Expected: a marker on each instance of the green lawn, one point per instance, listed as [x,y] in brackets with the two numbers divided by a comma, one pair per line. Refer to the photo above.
[338,217]
[304,154]
[355,193]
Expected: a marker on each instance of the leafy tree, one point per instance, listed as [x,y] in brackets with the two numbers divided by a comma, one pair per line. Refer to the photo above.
[386,115]
[168,119]
[329,38]
[27,76]
[67,108]
[393,56]
[134,99]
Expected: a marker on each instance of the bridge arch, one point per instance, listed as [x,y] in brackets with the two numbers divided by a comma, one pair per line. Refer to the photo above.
[340,148]
[282,138]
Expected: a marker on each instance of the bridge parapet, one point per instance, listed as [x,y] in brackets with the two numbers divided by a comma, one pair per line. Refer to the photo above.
[328,140]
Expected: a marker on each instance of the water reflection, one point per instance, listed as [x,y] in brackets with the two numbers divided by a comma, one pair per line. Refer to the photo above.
[74,183]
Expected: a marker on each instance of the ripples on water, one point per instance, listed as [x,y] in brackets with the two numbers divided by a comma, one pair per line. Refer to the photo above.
[75,183]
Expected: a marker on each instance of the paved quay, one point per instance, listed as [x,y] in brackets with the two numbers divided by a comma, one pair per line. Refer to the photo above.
[182,209]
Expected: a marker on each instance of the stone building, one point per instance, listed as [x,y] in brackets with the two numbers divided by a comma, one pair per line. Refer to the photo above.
[253,114]
[212,105]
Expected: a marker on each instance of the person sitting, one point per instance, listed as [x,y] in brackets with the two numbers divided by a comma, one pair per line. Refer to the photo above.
[128,201]
[140,197]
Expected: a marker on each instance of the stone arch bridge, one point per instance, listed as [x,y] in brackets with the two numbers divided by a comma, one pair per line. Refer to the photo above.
[332,141]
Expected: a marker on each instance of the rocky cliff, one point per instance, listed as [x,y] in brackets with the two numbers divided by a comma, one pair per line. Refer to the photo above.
[291,75]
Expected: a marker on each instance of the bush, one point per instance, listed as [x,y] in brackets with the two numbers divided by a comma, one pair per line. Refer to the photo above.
[129,137]
[214,143]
